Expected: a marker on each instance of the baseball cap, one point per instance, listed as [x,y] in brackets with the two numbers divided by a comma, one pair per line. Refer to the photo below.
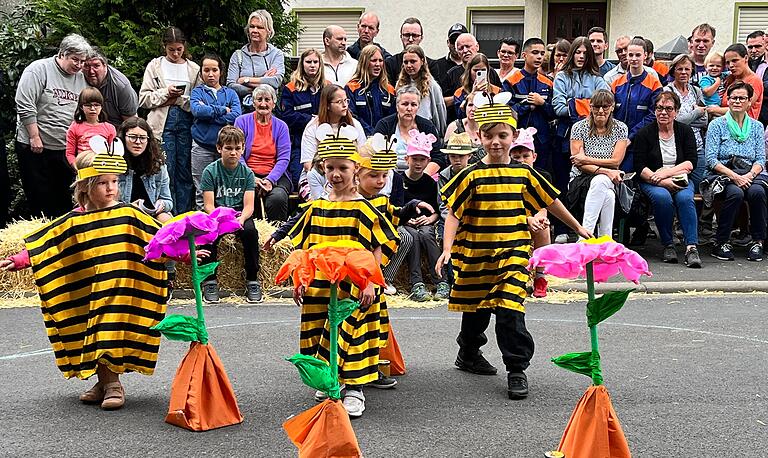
[456,30]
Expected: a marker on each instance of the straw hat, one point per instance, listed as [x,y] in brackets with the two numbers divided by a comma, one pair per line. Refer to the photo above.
[459,144]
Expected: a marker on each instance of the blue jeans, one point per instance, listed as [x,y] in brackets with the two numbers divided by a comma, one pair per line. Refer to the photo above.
[177,144]
[664,203]
[699,172]
[732,197]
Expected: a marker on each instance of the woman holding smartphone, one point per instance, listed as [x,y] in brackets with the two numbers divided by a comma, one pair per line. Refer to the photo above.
[474,79]
[168,81]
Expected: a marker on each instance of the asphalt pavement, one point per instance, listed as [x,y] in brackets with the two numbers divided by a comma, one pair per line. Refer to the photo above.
[686,375]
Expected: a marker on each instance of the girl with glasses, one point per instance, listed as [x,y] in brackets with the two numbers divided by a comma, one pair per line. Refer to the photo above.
[90,120]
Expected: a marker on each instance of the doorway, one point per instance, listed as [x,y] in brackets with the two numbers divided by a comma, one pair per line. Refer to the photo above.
[571,20]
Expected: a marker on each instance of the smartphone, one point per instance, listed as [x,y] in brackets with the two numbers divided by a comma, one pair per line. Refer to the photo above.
[181,88]
[482,75]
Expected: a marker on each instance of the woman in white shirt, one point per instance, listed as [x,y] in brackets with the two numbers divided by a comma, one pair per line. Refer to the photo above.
[168,81]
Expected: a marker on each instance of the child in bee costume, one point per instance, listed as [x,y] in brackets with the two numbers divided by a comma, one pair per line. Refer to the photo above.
[98,298]
[487,239]
[344,215]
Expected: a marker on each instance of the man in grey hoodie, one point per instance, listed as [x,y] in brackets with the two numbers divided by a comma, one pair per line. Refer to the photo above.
[257,62]
[46,99]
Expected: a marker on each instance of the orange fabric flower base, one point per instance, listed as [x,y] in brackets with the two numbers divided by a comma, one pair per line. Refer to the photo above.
[392,353]
[201,395]
[594,430]
[323,431]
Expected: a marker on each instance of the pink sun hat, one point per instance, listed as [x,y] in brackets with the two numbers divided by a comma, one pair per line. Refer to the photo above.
[525,139]
[420,144]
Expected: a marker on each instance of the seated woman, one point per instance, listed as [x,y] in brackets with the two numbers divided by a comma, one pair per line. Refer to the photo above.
[405,120]
[474,79]
[735,154]
[146,183]
[370,95]
[665,156]
[267,153]
[598,144]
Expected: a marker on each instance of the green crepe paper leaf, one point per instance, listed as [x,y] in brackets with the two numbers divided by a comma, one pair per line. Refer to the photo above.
[204,271]
[603,307]
[576,362]
[181,327]
[316,374]
[344,308]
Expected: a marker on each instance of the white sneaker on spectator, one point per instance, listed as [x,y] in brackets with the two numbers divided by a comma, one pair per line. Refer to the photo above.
[390,290]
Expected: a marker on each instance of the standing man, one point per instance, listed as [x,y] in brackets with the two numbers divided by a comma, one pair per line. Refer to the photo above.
[599,40]
[758,64]
[411,33]
[621,52]
[367,30]
[120,100]
[339,65]
[650,61]
[452,59]
[507,53]
[701,43]
[467,47]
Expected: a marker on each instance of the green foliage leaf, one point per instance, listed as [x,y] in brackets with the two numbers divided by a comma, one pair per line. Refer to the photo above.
[316,374]
[344,308]
[606,305]
[204,271]
[182,327]
[582,363]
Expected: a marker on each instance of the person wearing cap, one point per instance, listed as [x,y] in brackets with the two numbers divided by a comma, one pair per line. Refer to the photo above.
[452,59]
[458,150]
[411,33]
[367,30]
[343,214]
[84,311]
[524,152]
[419,185]
[487,240]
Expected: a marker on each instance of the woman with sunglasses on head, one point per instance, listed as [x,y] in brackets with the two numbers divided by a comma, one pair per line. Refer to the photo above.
[735,155]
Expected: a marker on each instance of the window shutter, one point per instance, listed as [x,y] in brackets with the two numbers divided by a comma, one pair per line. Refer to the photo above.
[497,17]
[315,22]
[751,18]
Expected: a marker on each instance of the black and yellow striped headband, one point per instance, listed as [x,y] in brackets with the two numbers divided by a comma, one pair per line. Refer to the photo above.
[337,144]
[494,108]
[108,160]
[384,157]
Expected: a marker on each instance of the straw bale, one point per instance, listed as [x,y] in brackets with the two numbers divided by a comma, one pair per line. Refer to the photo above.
[12,242]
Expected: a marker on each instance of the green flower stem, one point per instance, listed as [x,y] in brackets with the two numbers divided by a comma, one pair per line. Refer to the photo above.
[196,285]
[334,359]
[597,378]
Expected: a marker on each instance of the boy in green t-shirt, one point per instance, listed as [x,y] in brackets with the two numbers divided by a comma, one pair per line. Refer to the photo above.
[227,182]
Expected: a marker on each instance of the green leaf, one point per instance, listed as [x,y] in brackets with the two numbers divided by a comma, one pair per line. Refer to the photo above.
[316,374]
[606,305]
[344,308]
[204,271]
[182,327]
[582,363]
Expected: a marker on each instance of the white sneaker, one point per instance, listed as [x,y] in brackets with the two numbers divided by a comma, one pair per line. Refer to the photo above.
[562,238]
[321,396]
[390,290]
[354,403]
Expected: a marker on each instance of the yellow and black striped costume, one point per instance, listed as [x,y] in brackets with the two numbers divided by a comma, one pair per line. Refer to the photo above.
[99,298]
[492,246]
[360,334]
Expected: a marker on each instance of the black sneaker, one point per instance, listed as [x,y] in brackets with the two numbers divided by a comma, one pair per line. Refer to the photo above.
[476,365]
[253,292]
[517,385]
[723,252]
[755,252]
[692,258]
[383,382]
[211,292]
[670,255]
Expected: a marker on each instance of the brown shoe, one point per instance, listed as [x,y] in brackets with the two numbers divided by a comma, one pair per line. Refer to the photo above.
[93,396]
[114,396]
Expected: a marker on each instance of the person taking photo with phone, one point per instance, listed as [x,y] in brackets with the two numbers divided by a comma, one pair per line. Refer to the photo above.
[474,79]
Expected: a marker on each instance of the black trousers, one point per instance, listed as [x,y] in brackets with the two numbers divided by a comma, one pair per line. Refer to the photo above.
[46,178]
[249,237]
[514,340]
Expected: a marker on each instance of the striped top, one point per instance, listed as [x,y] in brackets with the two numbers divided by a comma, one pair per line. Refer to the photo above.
[357,220]
[99,298]
[492,246]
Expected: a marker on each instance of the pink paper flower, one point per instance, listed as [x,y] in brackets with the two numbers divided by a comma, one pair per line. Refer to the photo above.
[608,258]
[171,239]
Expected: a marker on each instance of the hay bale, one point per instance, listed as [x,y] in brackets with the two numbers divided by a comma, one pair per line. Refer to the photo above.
[12,242]
[231,273]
